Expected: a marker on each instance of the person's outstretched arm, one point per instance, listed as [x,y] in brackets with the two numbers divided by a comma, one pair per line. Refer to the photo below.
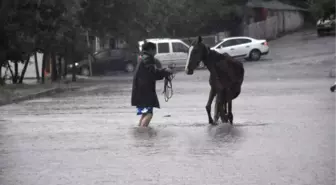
[158,74]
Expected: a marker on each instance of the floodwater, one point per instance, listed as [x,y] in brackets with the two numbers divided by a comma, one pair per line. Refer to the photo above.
[284,131]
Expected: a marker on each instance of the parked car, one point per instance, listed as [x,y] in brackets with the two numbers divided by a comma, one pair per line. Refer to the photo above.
[325,25]
[246,47]
[170,51]
[107,61]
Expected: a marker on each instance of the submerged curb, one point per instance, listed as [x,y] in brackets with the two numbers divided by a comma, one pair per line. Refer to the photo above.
[40,94]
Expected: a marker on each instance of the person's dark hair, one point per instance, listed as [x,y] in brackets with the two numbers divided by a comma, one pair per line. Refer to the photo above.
[148,46]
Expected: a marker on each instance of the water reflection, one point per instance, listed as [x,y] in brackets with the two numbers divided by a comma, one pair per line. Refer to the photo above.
[224,132]
[144,133]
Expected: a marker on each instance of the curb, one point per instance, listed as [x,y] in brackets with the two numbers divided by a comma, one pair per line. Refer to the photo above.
[40,94]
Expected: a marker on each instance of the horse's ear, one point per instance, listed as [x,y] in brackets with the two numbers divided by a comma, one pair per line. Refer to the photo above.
[199,39]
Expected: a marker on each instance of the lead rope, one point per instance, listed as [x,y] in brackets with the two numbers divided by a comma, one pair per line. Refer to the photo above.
[168,85]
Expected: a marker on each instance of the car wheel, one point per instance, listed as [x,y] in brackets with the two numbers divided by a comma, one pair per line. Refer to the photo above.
[129,67]
[320,33]
[255,55]
[85,71]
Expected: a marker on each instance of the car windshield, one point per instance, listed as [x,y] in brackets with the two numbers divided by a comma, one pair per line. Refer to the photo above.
[217,43]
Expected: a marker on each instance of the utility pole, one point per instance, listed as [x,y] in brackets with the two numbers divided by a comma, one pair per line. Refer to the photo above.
[89,56]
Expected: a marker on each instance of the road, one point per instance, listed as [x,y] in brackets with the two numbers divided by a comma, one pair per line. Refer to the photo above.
[284,130]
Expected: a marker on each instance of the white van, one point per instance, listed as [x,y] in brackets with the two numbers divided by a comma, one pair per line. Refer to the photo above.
[169,51]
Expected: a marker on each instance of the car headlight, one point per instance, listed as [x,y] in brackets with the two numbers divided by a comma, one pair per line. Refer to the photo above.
[76,64]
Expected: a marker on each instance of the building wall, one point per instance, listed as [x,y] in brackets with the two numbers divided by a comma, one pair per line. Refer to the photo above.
[31,71]
[293,20]
[277,22]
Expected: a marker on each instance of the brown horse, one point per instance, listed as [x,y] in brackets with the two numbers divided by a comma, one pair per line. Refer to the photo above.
[226,79]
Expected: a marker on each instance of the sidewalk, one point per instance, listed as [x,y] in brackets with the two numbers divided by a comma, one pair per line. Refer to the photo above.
[14,93]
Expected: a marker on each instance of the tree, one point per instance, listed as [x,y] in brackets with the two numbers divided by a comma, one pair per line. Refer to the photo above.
[317,8]
[321,8]
[59,27]
[137,19]
[34,25]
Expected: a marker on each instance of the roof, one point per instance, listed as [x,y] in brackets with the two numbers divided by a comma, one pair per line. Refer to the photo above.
[160,40]
[273,5]
[238,38]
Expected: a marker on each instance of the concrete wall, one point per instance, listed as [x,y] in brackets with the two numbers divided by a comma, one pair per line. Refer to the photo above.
[30,72]
[280,22]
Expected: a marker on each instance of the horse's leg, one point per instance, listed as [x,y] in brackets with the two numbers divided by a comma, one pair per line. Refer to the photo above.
[212,95]
[230,115]
[217,113]
[225,111]
[224,117]
[220,108]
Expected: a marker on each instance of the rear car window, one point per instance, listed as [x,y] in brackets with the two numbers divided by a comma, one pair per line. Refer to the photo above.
[179,47]
[102,54]
[163,47]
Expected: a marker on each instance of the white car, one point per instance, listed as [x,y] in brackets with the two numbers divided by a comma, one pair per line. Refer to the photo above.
[169,51]
[246,47]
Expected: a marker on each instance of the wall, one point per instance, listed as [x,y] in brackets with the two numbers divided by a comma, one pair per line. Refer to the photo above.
[30,72]
[272,27]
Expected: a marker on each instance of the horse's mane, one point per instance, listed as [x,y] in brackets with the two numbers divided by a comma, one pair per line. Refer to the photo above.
[215,56]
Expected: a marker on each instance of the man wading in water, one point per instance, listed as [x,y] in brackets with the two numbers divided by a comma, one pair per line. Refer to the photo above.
[144,95]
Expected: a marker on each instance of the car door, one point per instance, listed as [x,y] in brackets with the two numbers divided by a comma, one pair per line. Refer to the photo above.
[243,47]
[229,47]
[116,59]
[163,53]
[100,62]
[179,53]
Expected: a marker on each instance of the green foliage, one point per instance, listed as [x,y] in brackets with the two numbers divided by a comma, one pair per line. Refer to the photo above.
[155,18]
[189,17]
[322,8]
[49,26]
[318,8]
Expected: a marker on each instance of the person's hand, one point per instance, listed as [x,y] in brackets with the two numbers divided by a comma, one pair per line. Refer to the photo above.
[168,70]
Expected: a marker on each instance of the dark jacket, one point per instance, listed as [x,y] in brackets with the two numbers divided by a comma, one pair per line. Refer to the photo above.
[144,82]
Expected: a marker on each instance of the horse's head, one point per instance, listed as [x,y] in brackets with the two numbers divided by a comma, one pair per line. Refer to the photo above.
[197,53]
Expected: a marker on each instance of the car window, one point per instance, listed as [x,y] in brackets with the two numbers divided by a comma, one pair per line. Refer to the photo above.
[163,47]
[229,43]
[243,41]
[179,47]
[102,55]
[217,42]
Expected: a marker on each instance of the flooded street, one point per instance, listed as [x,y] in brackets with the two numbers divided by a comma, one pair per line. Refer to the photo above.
[283,133]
